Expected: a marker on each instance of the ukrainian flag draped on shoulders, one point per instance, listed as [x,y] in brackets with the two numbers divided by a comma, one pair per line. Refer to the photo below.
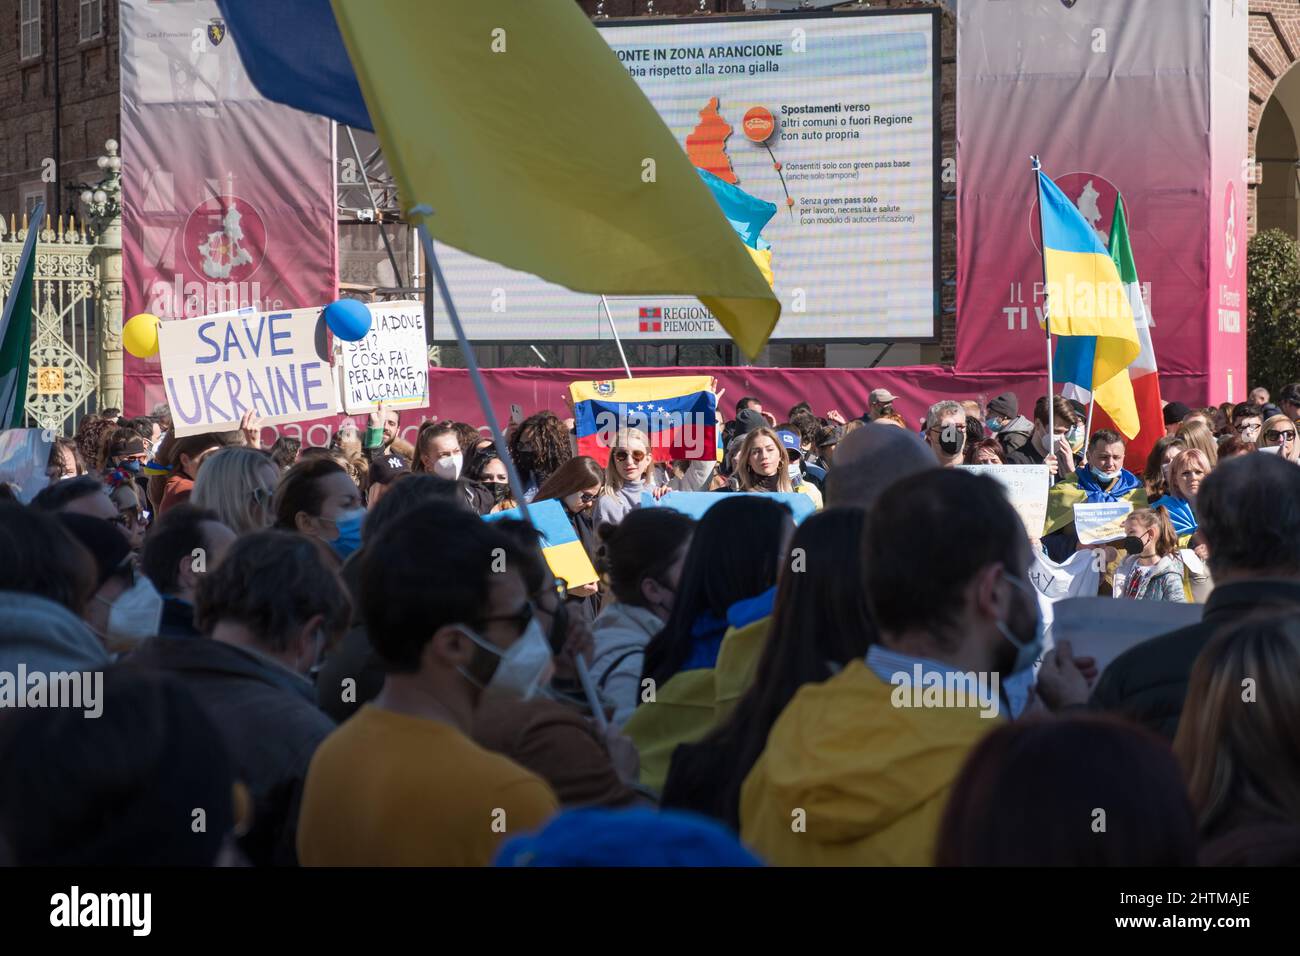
[1086,297]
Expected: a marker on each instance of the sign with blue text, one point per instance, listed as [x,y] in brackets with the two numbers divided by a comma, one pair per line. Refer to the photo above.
[218,367]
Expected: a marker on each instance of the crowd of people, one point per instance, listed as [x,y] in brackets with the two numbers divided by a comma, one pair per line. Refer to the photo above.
[326,656]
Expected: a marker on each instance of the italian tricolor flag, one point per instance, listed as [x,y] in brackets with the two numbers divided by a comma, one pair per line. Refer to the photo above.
[1142,373]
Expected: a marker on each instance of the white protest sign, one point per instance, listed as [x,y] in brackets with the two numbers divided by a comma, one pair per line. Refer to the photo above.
[217,367]
[1102,521]
[389,365]
[1103,628]
[24,458]
[1026,488]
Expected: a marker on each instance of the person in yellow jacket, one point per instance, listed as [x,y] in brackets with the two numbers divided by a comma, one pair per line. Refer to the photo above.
[857,769]
[1101,479]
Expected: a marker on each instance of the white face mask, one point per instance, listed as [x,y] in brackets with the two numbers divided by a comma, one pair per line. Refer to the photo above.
[448,467]
[523,667]
[136,612]
[1105,477]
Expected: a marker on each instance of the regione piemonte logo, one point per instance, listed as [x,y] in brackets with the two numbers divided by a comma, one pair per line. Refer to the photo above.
[225,239]
[1230,215]
[651,320]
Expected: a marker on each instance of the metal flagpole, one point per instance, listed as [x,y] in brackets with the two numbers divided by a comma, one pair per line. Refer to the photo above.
[498,439]
[1037,168]
[1092,403]
[617,341]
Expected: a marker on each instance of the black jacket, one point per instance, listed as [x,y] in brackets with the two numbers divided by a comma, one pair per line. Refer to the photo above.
[177,619]
[1148,683]
[270,724]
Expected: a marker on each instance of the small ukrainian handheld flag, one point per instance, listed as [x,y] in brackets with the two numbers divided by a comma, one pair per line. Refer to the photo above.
[565,555]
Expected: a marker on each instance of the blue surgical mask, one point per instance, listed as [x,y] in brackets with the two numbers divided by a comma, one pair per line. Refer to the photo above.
[131,464]
[349,527]
[993,425]
[1028,649]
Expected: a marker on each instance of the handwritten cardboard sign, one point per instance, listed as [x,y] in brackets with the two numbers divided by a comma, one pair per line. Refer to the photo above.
[389,365]
[1026,488]
[218,367]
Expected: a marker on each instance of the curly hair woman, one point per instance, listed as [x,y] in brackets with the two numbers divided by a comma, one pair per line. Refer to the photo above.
[539,446]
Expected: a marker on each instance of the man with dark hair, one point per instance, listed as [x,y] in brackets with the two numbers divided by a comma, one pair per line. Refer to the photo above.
[401,782]
[749,415]
[1037,450]
[183,545]
[1249,513]
[1247,420]
[1174,413]
[1102,479]
[266,611]
[1289,401]
[84,495]
[863,759]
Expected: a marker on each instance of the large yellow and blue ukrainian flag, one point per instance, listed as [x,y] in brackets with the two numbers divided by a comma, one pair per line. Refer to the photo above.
[1086,297]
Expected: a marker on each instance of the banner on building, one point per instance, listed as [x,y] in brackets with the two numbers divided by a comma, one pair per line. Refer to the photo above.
[227,198]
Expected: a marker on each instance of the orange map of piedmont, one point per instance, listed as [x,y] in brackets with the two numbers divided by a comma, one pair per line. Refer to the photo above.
[707,148]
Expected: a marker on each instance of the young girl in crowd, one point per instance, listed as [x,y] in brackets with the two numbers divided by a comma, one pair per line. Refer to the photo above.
[576,485]
[1155,573]
[627,476]
[762,464]
[820,622]
[640,560]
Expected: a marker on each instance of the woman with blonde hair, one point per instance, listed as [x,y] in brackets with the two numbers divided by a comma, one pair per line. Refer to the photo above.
[1186,472]
[1197,434]
[762,463]
[1156,572]
[628,473]
[238,485]
[1238,744]
[1280,432]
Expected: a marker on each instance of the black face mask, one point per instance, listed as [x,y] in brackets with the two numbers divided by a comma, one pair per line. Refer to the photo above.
[952,441]
[500,490]
[1132,545]
[525,457]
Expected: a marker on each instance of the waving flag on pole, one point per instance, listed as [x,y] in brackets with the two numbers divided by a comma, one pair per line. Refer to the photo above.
[517,125]
[1086,298]
[1072,366]
[679,414]
[16,332]
[1142,372]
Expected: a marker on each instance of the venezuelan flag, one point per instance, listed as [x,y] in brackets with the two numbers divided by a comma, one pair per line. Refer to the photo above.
[679,414]
[565,555]
[1086,297]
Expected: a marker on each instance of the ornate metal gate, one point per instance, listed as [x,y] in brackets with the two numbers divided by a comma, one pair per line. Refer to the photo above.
[63,384]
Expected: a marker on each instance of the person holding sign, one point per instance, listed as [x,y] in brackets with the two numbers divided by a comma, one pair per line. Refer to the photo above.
[1155,573]
[1102,480]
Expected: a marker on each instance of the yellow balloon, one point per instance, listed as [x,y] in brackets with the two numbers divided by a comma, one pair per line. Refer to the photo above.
[140,335]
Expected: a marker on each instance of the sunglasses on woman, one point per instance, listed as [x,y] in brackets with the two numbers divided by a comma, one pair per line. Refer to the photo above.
[637,456]
[1279,437]
[587,497]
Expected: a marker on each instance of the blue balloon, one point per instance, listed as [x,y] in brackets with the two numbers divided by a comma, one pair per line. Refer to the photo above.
[349,319]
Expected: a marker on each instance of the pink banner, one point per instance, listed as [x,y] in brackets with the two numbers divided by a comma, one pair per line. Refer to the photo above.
[227,198]
[1115,95]
[451,394]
